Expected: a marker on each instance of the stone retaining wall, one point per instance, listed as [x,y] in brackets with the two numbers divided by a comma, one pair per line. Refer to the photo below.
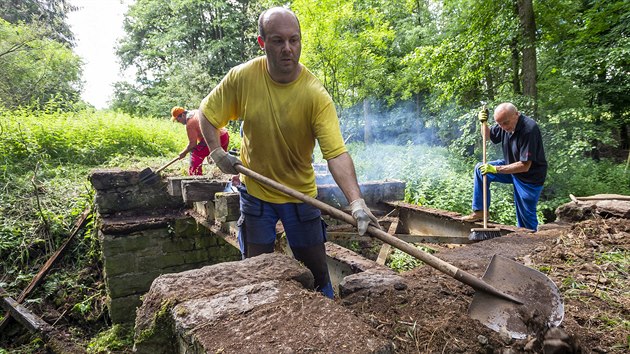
[144,233]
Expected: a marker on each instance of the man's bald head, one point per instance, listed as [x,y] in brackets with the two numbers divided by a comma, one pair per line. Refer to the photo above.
[266,15]
[506,115]
[505,108]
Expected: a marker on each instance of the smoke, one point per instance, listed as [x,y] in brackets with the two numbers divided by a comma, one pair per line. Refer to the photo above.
[373,121]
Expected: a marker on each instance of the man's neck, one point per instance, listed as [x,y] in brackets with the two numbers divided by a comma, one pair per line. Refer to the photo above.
[287,78]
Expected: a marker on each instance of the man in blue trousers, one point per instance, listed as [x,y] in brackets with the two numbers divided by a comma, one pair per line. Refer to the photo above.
[523,164]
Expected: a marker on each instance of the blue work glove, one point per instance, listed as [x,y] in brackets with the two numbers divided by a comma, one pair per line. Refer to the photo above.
[225,161]
[362,214]
[483,115]
[487,168]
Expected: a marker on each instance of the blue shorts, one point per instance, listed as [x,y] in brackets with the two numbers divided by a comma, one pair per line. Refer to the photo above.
[302,222]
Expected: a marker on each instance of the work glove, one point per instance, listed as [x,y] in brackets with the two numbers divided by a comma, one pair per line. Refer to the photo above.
[225,161]
[362,214]
[483,115]
[487,168]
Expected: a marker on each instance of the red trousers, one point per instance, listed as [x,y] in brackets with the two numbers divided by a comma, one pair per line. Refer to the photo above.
[199,153]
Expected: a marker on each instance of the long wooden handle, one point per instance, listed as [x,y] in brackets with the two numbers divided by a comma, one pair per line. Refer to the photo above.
[484,177]
[168,164]
[427,258]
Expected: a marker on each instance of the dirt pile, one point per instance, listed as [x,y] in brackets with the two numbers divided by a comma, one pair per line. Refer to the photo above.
[588,262]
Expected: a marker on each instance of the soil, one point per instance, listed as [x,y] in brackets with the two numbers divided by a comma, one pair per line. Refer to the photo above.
[430,315]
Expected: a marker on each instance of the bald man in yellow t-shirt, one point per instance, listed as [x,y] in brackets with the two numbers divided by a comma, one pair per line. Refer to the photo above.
[285,110]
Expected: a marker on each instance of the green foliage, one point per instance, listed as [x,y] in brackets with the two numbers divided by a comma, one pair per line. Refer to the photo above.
[45,157]
[118,337]
[181,50]
[51,14]
[86,137]
[36,70]
[401,262]
[362,32]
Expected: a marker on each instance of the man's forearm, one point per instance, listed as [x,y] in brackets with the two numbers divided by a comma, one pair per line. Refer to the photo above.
[516,167]
[209,132]
[342,170]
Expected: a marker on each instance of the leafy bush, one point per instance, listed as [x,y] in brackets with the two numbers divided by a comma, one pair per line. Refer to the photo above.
[45,157]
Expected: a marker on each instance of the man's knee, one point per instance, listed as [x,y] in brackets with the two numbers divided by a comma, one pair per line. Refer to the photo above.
[255,249]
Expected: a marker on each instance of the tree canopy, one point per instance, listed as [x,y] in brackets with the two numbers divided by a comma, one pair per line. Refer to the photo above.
[35,68]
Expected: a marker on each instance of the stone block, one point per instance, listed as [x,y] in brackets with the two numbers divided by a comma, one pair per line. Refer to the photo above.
[198,256]
[227,206]
[208,323]
[211,280]
[178,244]
[148,264]
[174,184]
[140,240]
[371,282]
[119,264]
[206,241]
[201,190]
[172,259]
[131,284]
[123,309]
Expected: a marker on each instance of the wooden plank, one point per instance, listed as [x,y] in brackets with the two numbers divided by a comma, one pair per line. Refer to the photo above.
[601,197]
[353,236]
[23,315]
[49,263]
[386,248]
[58,342]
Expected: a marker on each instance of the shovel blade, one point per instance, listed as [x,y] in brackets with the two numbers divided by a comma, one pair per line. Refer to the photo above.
[542,304]
[146,173]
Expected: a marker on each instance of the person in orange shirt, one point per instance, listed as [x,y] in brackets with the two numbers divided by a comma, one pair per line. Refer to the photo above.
[196,144]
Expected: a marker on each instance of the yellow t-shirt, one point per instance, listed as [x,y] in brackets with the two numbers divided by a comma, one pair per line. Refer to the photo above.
[280,125]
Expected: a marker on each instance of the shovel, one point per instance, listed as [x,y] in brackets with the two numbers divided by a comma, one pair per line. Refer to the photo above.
[147,176]
[510,298]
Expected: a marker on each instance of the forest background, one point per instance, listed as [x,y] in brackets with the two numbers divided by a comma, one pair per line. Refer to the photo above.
[407,77]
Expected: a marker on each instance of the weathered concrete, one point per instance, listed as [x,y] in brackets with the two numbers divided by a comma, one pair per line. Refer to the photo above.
[372,281]
[144,233]
[258,305]
[374,194]
[119,191]
[169,289]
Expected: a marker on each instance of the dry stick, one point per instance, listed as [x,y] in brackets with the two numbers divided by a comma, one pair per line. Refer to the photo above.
[51,261]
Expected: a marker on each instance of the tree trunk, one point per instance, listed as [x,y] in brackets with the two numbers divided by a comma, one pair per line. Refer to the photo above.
[368,137]
[528,28]
[516,67]
[490,82]
[624,137]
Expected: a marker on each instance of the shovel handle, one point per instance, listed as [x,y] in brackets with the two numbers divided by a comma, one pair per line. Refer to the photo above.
[168,164]
[427,258]
[484,178]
